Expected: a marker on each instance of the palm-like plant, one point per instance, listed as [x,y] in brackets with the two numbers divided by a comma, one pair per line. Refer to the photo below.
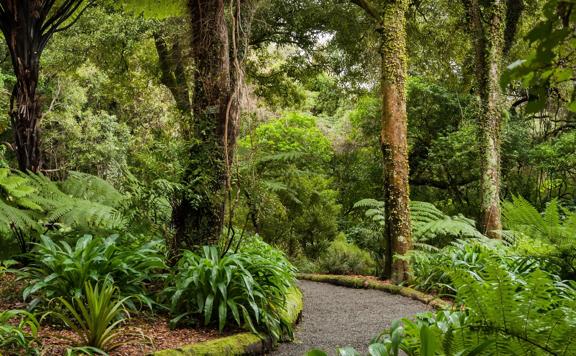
[96,317]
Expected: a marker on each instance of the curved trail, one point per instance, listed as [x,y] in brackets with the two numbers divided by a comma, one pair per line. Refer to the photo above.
[337,317]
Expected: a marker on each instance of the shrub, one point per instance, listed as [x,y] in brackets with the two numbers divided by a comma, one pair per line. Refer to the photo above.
[343,257]
[59,270]
[18,337]
[96,317]
[247,287]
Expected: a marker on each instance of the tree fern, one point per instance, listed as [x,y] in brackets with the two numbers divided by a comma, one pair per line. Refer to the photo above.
[75,211]
[91,188]
[430,226]
[18,211]
[31,204]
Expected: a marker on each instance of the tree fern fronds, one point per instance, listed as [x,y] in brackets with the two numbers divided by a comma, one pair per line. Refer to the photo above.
[369,203]
[91,188]
[13,218]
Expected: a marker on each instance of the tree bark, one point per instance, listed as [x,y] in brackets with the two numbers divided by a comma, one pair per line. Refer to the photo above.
[199,218]
[487,26]
[394,139]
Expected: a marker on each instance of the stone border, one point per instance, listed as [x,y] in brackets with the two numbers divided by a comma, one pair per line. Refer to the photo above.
[368,283]
[240,344]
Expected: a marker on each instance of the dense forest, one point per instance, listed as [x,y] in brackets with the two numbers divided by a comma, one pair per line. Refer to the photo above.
[170,169]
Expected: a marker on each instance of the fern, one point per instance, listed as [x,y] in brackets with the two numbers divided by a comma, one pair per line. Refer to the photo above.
[501,313]
[31,203]
[76,211]
[555,229]
[91,188]
[18,211]
[430,226]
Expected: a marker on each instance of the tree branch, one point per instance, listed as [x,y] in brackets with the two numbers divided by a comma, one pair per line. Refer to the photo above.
[370,9]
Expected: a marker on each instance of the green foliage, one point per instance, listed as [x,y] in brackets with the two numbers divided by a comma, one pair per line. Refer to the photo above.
[67,204]
[18,336]
[550,62]
[247,288]
[60,270]
[555,229]
[16,201]
[430,269]
[288,197]
[154,8]
[31,203]
[343,257]
[95,317]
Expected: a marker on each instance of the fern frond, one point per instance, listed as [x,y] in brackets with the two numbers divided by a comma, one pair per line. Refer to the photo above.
[91,188]
[369,203]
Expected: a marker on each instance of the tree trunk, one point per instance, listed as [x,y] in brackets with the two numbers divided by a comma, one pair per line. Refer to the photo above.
[394,139]
[489,47]
[27,28]
[22,34]
[199,218]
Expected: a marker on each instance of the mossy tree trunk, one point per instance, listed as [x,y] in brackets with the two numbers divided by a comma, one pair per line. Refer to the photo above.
[390,19]
[199,217]
[492,25]
[220,33]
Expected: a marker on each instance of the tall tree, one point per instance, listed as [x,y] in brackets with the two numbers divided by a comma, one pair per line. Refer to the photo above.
[218,39]
[28,26]
[492,26]
[390,21]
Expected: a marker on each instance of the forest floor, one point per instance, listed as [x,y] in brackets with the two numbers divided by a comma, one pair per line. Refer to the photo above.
[338,317]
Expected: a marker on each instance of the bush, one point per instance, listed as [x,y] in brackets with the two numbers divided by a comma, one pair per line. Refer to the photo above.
[343,257]
[59,270]
[248,287]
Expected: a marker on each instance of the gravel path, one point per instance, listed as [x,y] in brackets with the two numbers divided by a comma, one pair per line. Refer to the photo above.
[337,317]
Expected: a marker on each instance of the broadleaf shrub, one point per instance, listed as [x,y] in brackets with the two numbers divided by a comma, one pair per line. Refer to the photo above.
[60,270]
[247,288]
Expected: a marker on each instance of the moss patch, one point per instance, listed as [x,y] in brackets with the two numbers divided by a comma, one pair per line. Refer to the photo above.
[367,283]
[238,344]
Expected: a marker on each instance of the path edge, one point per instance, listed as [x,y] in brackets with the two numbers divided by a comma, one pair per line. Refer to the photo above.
[368,283]
[246,343]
